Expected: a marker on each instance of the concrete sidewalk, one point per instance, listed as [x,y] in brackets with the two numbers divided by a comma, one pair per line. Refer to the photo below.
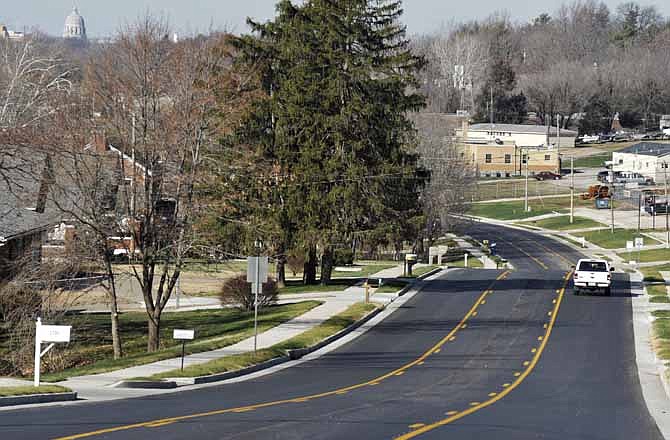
[100,386]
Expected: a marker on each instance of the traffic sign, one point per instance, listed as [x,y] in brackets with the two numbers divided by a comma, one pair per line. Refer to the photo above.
[630,245]
[639,242]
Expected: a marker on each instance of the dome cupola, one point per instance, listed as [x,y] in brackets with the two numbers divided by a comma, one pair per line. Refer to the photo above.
[75,27]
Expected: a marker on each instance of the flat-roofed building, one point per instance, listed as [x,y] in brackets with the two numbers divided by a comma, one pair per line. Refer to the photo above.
[650,159]
[519,134]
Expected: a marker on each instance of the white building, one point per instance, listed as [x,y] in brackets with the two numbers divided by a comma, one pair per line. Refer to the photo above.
[521,135]
[11,35]
[75,27]
[647,158]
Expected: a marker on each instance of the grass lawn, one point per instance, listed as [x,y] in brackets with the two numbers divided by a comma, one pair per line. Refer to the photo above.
[595,161]
[473,263]
[661,331]
[28,390]
[304,340]
[293,287]
[656,290]
[662,299]
[653,273]
[91,352]
[366,270]
[514,210]
[517,188]
[650,255]
[563,223]
[419,271]
[391,286]
[604,238]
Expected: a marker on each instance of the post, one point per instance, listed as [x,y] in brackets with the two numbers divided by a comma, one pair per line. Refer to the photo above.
[526,196]
[639,211]
[367,292]
[572,189]
[466,260]
[257,287]
[667,225]
[183,352]
[558,133]
[38,349]
[612,200]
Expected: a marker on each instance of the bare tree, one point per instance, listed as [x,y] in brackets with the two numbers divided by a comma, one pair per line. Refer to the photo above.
[157,101]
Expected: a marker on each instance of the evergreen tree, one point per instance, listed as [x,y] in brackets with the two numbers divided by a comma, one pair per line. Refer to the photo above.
[341,76]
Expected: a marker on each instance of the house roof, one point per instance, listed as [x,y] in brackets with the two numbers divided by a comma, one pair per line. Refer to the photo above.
[521,128]
[648,149]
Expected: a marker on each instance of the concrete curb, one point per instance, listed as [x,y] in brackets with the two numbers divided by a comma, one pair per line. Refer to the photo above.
[651,371]
[291,356]
[37,398]
[146,384]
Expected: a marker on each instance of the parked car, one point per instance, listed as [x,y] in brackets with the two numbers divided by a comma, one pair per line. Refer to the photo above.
[547,175]
[593,275]
[631,177]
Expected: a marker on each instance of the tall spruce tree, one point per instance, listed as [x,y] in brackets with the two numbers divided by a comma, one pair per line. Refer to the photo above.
[341,86]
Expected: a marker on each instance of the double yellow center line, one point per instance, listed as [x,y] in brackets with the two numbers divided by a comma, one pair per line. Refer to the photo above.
[451,336]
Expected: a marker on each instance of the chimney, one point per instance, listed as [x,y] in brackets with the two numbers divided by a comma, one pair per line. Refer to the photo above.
[100,142]
[45,184]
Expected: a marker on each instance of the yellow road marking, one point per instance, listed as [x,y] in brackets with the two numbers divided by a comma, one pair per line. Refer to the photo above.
[453,338]
[474,403]
[419,361]
[417,425]
[438,350]
[452,413]
[158,425]
[517,374]
[536,260]
[539,338]
[525,364]
[493,394]
[464,326]
[533,350]
[505,385]
[484,302]
[506,391]
[400,373]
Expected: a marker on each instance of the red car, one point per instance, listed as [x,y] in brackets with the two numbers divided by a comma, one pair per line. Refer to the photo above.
[547,175]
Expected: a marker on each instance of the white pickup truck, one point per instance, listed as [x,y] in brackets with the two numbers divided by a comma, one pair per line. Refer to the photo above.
[593,275]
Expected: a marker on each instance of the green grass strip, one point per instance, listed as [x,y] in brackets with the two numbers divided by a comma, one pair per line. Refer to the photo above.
[30,390]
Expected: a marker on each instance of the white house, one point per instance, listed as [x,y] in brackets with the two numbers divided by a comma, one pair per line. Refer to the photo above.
[521,135]
[647,158]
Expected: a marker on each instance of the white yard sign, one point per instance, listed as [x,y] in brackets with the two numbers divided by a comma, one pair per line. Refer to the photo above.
[183,335]
[47,333]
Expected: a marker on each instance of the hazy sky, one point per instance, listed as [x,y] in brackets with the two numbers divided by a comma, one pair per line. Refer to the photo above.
[103,17]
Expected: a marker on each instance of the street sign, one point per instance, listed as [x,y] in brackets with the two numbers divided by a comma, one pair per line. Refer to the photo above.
[183,335]
[54,333]
[639,242]
[630,245]
[257,269]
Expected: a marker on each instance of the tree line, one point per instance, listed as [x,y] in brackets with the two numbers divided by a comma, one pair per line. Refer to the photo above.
[583,62]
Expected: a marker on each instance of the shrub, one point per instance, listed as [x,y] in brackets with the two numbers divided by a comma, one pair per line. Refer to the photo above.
[236,291]
[344,257]
[296,262]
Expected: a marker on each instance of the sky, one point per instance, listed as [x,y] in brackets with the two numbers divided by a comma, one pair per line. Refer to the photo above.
[103,18]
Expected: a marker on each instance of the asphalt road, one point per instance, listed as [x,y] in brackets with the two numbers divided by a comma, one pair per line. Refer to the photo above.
[477,354]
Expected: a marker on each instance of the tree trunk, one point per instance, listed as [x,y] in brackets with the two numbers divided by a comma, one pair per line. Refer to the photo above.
[153,341]
[281,271]
[326,265]
[309,273]
[113,309]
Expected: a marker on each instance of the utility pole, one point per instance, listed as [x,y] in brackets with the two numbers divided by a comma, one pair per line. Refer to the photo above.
[572,189]
[526,196]
[667,224]
[491,112]
[612,200]
[558,133]
[639,211]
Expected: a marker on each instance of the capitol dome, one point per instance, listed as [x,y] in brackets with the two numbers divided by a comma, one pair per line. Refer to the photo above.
[75,27]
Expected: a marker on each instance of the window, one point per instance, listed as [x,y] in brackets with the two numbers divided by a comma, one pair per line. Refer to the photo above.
[547,157]
[592,266]
[488,158]
[508,158]
[524,158]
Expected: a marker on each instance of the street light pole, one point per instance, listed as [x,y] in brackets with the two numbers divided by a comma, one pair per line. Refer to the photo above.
[572,189]
[612,199]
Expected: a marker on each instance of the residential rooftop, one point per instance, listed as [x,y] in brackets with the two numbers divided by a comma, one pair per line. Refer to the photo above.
[521,128]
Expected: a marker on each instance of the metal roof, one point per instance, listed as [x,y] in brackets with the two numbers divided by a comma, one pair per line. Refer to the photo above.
[521,128]
[647,149]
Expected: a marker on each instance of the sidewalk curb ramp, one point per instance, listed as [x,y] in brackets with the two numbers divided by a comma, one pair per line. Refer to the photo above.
[37,398]
[292,355]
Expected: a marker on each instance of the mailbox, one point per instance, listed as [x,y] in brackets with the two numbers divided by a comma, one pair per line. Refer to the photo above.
[410,260]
